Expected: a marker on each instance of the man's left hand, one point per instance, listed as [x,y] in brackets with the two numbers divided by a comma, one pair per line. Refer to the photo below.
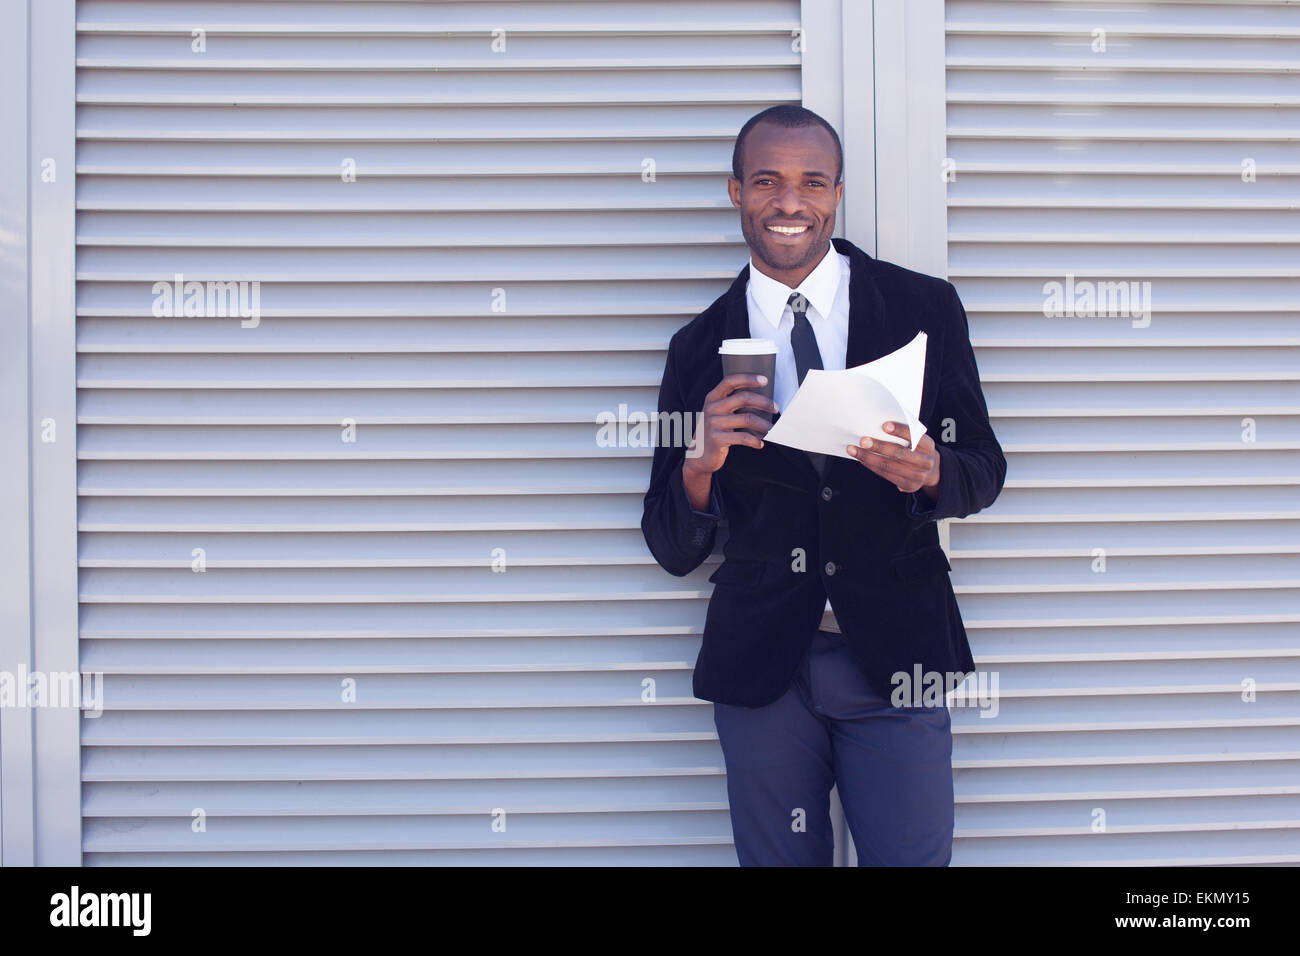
[909,469]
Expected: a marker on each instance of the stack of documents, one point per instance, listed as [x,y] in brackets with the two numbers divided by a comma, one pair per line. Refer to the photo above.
[834,409]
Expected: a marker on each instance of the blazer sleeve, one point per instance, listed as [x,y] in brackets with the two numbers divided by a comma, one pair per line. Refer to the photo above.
[679,537]
[972,467]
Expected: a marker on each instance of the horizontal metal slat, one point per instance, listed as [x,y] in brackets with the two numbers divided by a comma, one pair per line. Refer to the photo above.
[683,790]
[391,621]
[371,371]
[1132,603]
[974,540]
[431,123]
[599,828]
[669,84]
[728,16]
[461,300]
[1195,640]
[1181,847]
[464,192]
[271,477]
[561,512]
[1161,18]
[290,160]
[147,266]
[480,655]
[622,854]
[373,743]
[606,49]
[524,582]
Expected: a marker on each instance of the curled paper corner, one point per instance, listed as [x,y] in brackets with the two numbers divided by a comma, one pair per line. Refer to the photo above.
[916,430]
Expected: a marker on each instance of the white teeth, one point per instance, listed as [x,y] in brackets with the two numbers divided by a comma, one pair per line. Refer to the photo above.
[789,230]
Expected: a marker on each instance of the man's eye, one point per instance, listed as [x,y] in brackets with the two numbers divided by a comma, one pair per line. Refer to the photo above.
[814,182]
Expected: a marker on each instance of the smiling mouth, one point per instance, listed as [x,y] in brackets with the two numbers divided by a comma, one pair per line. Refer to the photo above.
[788,230]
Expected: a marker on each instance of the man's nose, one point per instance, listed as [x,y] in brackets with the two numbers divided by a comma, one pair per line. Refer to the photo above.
[788,200]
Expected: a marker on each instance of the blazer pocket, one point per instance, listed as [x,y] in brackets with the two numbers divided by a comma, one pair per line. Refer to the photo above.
[743,573]
[922,563]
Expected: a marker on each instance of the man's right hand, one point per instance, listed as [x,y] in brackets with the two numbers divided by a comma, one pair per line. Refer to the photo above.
[720,427]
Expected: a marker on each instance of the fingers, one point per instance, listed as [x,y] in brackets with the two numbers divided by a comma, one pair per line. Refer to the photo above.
[900,430]
[905,468]
[903,479]
[744,399]
[732,382]
[721,417]
[740,399]
[724,437]
[891,466]
[875,448]
[740,419]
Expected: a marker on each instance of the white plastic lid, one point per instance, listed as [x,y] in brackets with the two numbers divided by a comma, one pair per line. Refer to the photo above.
[748,347]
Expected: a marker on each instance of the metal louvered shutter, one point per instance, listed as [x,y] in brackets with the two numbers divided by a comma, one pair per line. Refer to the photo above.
[503,268]
[1115,142]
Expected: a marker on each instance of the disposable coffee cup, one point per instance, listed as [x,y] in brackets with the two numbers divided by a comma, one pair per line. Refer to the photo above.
[752,357]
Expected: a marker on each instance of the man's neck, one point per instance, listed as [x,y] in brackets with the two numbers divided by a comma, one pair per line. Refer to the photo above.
[791,278]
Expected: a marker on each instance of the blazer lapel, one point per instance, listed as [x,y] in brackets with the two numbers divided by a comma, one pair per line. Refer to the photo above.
[868,319]
[875,330]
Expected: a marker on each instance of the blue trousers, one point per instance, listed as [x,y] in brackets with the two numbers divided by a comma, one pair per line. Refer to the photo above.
[892,765]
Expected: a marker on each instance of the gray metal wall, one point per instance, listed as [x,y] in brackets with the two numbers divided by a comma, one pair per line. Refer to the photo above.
[1124,701]
[514,178]
[370,561]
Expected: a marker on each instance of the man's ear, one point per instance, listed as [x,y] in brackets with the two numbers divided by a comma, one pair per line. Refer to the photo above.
[839,192]
[733,190]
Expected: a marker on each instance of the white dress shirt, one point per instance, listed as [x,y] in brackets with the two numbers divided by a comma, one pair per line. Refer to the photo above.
[827,290]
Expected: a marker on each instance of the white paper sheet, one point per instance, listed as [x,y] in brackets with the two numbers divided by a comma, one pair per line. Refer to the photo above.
[834,409]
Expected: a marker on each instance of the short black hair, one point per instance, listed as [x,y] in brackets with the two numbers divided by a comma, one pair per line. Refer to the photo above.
[791,117]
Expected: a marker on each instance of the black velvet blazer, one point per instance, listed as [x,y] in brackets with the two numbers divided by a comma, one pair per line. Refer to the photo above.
[796,538]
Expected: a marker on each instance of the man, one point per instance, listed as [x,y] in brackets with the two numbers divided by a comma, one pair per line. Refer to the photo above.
[834,588]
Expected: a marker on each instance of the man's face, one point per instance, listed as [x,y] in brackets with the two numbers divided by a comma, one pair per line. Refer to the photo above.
[788,197]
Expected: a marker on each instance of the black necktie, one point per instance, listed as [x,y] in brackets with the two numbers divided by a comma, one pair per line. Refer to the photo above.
[806,355]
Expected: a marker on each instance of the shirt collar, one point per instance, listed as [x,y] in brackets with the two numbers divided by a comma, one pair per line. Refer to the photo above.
[819,288]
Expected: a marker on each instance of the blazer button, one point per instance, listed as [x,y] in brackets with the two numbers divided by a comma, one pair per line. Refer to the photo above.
[830,567]
[826,493]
